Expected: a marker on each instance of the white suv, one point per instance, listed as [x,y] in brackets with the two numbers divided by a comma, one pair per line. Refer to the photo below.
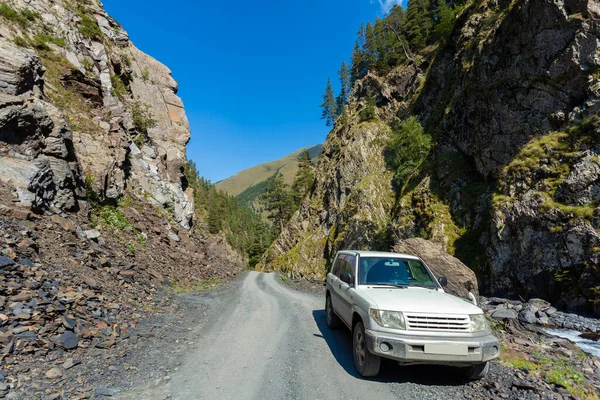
[397,309]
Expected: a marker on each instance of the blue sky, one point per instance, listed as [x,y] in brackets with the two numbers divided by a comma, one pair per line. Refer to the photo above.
[251,74]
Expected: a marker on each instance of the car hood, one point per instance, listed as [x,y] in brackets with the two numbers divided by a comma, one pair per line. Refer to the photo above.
[419,300]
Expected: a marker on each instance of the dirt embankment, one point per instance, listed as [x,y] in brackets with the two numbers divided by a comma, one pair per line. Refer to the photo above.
[73,290]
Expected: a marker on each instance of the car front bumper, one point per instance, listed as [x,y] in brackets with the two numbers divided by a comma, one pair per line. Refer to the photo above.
[456,351]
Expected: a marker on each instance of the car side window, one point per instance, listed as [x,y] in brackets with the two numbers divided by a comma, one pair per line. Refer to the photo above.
[348,265]
[336,270]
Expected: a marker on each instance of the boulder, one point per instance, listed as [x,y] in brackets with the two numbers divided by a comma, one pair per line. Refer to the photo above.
[504,313]
[92,234]
[527,315]
[538,304]
[461,279]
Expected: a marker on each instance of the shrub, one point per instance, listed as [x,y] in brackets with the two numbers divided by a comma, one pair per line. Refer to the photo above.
[88,26]
[39,42]
[88,66]
[119,88]
[142,116]
[407,149]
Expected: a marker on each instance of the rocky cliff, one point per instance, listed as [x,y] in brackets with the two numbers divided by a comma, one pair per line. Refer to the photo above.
[94,205]
[510,186]
[83,111]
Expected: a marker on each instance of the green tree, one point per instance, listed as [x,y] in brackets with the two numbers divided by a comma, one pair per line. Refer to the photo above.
[261,239]
[219,213]
[358,68]
[368,113]
[329,105]
[344,118]
[419,23]
[345,87]
[445,20]
[407,149]
[304,178]
[278,202]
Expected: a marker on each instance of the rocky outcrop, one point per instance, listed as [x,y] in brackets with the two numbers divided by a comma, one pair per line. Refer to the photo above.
[21,71]
[461,279]
[35,139]
[82,109]
[511,186]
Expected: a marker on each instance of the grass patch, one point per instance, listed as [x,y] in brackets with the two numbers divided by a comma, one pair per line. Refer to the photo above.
[119,89]
[40,41]
[88,26]
[79,111]
[21,41]
[553,154]
[112,219]
[558,372]
[23,17]
[518,361]
[197,286]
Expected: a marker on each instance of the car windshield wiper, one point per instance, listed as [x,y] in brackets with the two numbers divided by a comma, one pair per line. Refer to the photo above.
[388,284]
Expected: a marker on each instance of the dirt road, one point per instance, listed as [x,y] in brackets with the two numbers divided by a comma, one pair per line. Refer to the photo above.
[270,342]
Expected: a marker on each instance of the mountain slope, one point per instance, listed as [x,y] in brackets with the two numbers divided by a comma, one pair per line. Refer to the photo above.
[287,165]
[509,100]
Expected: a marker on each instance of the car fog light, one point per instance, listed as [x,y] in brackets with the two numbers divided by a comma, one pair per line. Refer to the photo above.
[385,347]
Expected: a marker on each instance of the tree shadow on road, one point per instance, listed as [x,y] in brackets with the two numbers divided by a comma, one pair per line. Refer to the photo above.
[340,344]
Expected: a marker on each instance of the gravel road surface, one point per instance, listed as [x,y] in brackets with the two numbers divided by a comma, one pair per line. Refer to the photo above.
[270,342]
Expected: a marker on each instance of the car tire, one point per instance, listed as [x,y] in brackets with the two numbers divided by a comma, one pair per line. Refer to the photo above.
[333,321]
[476,372]
[366,364]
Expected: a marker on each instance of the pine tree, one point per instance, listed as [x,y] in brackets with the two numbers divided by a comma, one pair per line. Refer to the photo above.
[304,178]
[370,46]
[359,66]
[419,23]
[397,41]
[278,201]
[342,98]
[329,105]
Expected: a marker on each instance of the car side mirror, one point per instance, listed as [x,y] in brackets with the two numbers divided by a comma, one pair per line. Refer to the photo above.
[346,278]
[443,281]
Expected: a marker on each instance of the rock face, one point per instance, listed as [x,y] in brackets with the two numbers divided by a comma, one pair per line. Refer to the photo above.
[86,111]
[461,279]
[511,187]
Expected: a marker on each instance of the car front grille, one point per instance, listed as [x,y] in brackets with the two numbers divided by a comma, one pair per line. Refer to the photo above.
[448,323]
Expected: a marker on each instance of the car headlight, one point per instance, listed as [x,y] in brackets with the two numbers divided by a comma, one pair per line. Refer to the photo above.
[478,323]
[389,319]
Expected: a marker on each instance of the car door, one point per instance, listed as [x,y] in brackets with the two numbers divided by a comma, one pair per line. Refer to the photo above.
[346,291]
[333,279]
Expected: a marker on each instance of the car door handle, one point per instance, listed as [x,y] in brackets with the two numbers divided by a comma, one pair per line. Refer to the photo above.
[340,285]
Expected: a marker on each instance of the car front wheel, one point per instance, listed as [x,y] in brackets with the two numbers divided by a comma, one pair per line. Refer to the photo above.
[366,364]
[476,372]
[333,321]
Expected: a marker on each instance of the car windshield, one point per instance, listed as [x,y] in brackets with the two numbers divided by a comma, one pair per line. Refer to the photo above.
[394,271]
